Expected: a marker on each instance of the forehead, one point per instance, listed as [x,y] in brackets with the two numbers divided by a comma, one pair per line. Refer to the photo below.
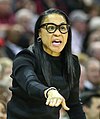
[54,18]
[96,100]
[94,64]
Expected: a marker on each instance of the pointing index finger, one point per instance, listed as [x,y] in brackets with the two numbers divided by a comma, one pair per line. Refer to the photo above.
[64,106]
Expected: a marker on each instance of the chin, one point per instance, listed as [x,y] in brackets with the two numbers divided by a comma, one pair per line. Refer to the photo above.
[57,51]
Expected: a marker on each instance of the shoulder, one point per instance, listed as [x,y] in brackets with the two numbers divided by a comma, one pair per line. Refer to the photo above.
[27,52]
[25,55]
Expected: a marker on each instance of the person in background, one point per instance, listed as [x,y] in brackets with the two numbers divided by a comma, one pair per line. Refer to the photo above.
[94,50]
[83,58]
[46,75]
[16,40]
[93,74]
[94,23]
[3,109]
[6,64]
[26,18]
[7,17]
[83,78]
[5,79]
[91,104]
[79,28]
[91,42]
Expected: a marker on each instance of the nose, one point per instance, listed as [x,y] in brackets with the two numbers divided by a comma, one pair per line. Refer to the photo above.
[57,32]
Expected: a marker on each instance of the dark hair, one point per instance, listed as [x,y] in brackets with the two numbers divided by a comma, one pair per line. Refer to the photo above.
[88,101]
[87,96]
[67,55]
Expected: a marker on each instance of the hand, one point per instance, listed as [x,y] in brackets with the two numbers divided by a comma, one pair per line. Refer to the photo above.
[56,99]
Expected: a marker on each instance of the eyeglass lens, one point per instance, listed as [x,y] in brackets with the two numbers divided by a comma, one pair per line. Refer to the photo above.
[51,27]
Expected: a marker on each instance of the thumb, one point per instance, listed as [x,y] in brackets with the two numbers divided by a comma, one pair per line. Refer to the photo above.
[64,105]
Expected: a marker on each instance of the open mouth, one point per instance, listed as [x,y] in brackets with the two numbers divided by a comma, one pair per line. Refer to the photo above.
[56,43]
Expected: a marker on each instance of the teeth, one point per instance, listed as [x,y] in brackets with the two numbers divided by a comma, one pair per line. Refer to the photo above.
[56,41]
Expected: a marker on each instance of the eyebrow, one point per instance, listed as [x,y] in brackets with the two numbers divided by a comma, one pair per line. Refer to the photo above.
[55,23]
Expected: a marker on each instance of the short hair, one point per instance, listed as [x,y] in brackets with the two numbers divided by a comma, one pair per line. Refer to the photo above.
[86,97]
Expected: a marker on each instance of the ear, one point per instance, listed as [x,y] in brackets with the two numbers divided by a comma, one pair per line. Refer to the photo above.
[85,109]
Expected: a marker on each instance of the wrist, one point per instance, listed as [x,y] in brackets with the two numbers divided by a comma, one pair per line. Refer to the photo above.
[46,91]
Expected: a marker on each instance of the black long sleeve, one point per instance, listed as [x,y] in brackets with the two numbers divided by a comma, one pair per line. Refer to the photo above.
[25,76]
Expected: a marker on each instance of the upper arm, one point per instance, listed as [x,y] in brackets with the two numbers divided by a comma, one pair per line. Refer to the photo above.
[26,77]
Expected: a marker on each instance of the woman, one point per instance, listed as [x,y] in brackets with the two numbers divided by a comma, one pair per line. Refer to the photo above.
[46,75]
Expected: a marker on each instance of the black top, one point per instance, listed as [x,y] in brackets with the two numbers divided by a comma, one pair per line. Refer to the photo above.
[28,101]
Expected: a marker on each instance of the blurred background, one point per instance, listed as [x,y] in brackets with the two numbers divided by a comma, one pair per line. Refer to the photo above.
[17,21]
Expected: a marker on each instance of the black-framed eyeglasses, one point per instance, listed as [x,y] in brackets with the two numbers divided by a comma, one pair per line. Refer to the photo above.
[51,27]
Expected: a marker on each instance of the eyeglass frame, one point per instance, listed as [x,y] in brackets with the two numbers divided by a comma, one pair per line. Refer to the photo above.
[57,27]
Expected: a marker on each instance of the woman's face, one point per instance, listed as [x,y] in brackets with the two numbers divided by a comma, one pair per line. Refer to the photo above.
[53,43]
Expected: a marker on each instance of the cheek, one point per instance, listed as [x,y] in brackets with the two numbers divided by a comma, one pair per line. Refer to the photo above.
[45,38]
[65,38]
